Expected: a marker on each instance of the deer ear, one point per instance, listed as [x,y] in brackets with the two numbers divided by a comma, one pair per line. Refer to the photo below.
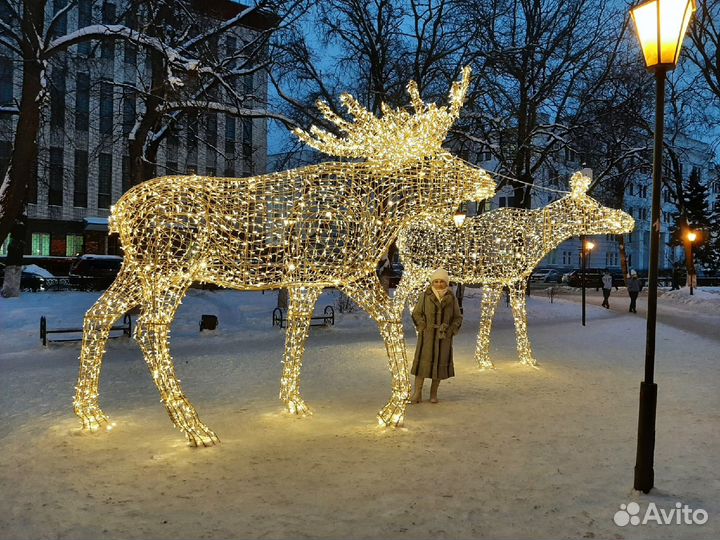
[579,184]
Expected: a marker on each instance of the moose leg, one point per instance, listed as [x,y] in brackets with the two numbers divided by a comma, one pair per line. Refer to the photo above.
[161,300]
[300,309]
[490,297]
[371,297]
[122,295]
[407,291]
[519,308]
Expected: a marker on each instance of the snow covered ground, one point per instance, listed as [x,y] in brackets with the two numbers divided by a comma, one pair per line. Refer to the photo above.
[510,453]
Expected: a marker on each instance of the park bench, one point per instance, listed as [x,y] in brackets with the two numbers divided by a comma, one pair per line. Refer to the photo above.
[279,317]
[125,327]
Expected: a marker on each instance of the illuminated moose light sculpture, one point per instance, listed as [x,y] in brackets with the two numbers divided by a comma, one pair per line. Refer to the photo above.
[500,248]
[302,229]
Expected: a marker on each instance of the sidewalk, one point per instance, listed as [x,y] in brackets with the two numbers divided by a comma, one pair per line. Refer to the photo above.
[681,316]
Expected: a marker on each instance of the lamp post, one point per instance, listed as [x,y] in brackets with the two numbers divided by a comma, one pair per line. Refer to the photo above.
[692,236]
[660,26]
[585,250]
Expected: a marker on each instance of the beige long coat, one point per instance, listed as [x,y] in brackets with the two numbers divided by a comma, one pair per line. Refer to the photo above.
[436,322]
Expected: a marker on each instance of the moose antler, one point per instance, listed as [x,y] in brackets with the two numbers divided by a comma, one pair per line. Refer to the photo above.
[398,136]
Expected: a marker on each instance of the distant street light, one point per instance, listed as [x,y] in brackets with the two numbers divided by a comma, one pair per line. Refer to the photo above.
[585,251]
[692,236]
[459,217]
[660,26]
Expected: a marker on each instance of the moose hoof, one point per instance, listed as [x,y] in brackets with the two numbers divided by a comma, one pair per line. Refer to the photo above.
[484,363]
[201,436]
[92,417]
[393,414]
[297,406]
[529,361]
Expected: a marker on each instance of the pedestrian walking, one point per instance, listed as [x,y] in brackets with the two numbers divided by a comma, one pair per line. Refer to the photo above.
[675,278]
[437,319]
[606,288]
[634,286]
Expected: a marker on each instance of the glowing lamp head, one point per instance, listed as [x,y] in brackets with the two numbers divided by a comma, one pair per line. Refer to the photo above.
[661,26]
[692,236]
[589,245]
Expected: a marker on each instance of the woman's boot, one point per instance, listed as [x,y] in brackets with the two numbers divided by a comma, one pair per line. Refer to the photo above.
[433,390]
[417,395]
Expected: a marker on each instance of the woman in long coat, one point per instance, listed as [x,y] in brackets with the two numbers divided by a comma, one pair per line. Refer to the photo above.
[437,319]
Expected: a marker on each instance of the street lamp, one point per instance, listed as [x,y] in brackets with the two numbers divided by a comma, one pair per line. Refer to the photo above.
[691,236]
[660,26]
[585,250]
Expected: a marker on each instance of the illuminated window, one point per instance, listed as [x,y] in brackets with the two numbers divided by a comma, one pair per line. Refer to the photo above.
[40,244]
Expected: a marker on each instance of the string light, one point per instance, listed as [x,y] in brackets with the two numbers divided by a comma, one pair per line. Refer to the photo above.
[500,249]
[304,229]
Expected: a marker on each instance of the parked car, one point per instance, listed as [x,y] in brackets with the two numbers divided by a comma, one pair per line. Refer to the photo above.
[29,280]
[593,278]
[546,275]
[94,272]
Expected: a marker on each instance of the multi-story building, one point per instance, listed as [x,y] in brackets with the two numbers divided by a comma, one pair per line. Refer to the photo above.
[83,165]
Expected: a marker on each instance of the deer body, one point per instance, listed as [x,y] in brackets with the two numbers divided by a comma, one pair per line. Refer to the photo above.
[501,248]
[302,229]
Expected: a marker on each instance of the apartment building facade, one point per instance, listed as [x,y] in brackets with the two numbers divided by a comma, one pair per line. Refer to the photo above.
[83,165]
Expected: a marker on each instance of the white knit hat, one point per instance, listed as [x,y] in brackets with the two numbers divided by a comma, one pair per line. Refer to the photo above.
[440,273]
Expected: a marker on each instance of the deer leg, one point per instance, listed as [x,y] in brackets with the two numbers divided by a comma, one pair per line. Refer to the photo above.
[519,308]
[122,295]
[371,297]
[300,309]
[490,297]
[161,300]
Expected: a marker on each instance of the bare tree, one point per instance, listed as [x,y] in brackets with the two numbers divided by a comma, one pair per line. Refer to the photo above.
[542,64]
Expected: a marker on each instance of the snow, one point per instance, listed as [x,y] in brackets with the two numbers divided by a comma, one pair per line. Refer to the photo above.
[514,452]
[35,269]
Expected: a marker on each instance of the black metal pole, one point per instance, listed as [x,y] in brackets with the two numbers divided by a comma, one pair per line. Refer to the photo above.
[582,274]
[644,463]
[692,266]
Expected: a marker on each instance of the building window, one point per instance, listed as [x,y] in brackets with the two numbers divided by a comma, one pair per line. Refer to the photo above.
[57,97]
[61,24]
[4,247]
[230,135]
[129,110]
[81,179]
[104,180]
[84,19]
[56,173]
[630,189]
[125,173]
[211,129]
[248,145]
[106,108]
[40,244]
[6,81]
[82,102]
[192,137]
[73,245]
[130,54]
[107,47]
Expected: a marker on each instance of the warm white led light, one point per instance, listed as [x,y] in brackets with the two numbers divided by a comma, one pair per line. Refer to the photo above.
[304,229]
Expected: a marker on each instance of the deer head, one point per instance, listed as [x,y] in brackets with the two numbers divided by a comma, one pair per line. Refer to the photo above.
[398,137]
[590,215]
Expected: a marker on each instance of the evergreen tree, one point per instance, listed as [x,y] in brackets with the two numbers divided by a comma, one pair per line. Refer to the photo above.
[696,216]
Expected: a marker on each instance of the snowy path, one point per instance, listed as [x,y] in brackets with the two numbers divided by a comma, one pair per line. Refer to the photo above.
[700,316]
[510,453]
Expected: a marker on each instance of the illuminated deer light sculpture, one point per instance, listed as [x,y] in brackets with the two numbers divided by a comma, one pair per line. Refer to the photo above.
[304,229]
[500,249]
